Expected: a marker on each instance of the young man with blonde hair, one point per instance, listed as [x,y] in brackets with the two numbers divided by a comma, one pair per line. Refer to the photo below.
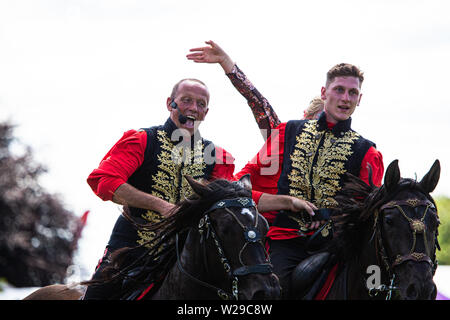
[310,158]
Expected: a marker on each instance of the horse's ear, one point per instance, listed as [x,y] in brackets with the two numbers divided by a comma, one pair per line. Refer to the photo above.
[198,187]
[392,176]
[430,180]
[246,182]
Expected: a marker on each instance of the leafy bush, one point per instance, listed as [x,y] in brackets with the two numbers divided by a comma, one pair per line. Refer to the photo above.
[443,205]
[37,235]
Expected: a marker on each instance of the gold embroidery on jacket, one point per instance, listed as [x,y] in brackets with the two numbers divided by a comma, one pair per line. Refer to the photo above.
[319,182]
[175,161]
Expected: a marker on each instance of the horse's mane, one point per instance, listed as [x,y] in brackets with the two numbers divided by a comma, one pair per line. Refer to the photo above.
[357,203]
[159,254]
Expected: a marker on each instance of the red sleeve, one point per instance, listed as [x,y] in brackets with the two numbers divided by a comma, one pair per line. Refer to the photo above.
[375,159]
[265,167]
[124,158]
[224,167]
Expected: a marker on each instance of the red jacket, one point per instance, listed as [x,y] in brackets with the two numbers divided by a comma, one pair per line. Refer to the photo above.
[127,155]
[272,154]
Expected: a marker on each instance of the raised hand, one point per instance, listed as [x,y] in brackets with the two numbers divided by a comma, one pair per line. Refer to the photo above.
[212,53]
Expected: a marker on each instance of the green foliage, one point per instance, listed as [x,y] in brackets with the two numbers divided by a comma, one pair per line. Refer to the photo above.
[37,234]
[443,205]
[3,283]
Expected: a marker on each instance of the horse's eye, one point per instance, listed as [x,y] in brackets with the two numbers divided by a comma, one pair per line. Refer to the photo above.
[389,220]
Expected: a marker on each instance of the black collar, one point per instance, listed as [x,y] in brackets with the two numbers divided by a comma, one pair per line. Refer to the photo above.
[169,127]
[339,128]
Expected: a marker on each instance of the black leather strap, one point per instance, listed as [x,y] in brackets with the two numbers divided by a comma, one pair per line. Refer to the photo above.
[236,202]
[322,214]
[264,268]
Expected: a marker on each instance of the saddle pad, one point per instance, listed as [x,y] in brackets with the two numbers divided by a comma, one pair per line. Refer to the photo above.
[323,293]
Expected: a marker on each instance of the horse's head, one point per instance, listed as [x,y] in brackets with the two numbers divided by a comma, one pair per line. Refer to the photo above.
[407,225]
[232,233]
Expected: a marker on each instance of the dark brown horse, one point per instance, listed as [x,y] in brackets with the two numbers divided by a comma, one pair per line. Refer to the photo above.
[210,248]
[386,238]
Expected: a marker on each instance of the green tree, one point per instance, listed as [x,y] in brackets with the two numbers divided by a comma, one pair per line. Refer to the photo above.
[443,205]
[38,235]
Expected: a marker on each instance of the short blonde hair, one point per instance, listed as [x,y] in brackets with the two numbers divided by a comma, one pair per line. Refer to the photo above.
[315,106]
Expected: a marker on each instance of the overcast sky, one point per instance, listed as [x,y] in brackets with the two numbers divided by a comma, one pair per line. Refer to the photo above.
[74,75]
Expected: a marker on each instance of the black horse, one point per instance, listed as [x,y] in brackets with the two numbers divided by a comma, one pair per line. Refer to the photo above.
[385,238]
[211,247]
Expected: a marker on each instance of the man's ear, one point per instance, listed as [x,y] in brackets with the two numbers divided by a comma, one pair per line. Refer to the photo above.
[323,93]
[359,100]
[168,102]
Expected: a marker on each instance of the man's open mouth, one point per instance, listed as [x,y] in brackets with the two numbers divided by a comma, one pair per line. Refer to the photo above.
[190,121]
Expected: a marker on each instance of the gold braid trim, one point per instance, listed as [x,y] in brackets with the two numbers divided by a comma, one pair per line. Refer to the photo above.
[175,161]
[324,175]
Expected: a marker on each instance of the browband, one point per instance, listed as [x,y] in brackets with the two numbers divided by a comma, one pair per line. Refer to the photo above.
[235,202]
[410,202]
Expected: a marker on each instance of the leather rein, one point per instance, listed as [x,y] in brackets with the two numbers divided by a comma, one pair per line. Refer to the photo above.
[251,235]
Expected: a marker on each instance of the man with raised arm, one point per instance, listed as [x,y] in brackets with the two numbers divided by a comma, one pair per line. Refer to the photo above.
[306,159]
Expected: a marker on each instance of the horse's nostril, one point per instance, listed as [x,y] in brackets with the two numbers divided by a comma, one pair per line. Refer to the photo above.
[428,292]
[433,293]
[259,295]
[411,292]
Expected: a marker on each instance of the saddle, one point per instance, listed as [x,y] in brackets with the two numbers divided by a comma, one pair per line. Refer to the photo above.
[310,275]
[134,285]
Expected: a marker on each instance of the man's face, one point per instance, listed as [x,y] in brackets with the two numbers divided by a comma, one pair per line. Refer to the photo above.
[341,97]
[192,102]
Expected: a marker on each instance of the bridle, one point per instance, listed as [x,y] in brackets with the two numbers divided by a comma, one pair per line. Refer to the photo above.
[251,235]
[417,226]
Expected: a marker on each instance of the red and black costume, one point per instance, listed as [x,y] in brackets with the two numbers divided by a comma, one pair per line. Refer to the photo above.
[151,161]
[306,159]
